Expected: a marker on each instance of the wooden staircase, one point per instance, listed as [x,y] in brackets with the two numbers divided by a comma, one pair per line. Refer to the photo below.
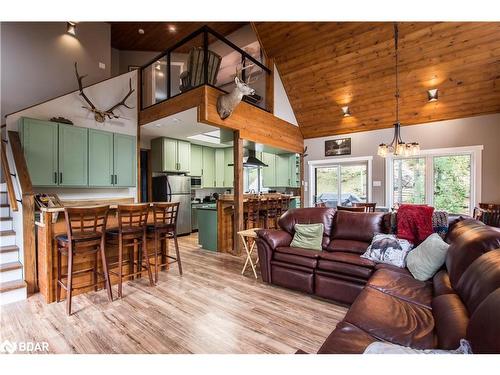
[12,284]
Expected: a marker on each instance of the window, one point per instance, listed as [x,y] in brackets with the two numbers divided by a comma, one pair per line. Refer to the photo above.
[252,180]
[448,179]
[340,183]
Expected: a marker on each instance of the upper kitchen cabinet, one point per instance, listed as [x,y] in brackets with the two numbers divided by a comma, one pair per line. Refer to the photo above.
[196,160]
[101,172]
[269,172]
[208,175]
[39,139]
[170,155]
[219,167]
[282,170]
[73,156]
[124,161]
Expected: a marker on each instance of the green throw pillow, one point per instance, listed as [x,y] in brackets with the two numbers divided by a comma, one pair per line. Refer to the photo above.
[427,258]
[308,236]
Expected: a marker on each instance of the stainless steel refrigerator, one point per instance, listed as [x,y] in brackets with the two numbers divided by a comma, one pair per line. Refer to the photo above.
[175,188]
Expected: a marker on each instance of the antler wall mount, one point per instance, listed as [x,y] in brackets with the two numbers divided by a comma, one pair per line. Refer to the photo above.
[101,115]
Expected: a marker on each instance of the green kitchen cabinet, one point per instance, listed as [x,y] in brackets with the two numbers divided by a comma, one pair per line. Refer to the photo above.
[228,170]
[170,155]
[196,160]
[269,172]
[208,175]
[101,172]
[294,170]
[73,156]
[282,170]
[219,167]
[39,139]
[124,162]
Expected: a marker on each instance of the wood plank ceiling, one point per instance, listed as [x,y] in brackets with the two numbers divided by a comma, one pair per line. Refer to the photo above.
[325,66]
[158,36]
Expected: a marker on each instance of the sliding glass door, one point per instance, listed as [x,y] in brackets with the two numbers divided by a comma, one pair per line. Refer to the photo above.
[341,184]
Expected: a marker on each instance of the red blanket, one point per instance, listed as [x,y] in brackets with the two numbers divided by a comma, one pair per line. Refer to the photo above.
[414,222]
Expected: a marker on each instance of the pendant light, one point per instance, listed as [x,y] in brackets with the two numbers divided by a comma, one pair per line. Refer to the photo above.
[397,146]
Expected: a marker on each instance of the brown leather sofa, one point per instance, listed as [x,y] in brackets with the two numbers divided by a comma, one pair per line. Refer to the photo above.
[461,301]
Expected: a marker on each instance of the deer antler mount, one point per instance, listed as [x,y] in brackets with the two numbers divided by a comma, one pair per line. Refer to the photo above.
[101,115]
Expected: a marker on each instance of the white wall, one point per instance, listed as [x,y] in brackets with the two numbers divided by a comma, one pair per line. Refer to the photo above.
[37,60]
[480,130]
[104,95]
[282,107]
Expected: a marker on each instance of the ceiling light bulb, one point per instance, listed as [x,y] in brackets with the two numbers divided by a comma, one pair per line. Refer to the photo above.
[140,31]
[71,28]
[432,95]
[172,28]
[346,111]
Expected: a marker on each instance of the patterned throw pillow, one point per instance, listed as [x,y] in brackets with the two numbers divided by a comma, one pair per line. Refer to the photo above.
[378,347]
[440,223]
[387,248]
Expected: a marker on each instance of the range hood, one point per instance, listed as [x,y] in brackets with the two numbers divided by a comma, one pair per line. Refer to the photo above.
[251,161]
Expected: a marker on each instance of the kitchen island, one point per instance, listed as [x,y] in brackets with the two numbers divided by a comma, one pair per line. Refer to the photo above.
[225,217]
[51,224]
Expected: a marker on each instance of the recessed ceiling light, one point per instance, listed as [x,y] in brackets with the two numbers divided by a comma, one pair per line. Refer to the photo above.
[172,28]
[432,95]
[346,111]
[140,31]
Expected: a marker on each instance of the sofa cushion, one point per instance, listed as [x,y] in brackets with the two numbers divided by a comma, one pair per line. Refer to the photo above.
[312,215]
[402,286]
[451,319]
[384,266]
[479,280]
[337,287]
[275,238]
[442,284]
[348,258]
[459,227]
[300,260]
[345,268]
[393,319]
[298,251]
[357,226]
[346,339]
[295,277]
[483,330]
[348,246]
[308,236]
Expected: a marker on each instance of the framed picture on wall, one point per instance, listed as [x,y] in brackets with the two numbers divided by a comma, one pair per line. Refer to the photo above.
[336,147]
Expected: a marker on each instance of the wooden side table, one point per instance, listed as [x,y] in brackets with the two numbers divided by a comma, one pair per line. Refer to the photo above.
[246,235]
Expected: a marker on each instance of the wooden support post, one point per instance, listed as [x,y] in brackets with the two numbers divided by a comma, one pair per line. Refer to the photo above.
[29,248]
[139,191]
[238,191]
[302,182]
[270,85]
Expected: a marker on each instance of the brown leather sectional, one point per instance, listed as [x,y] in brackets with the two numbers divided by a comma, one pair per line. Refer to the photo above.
[387,303]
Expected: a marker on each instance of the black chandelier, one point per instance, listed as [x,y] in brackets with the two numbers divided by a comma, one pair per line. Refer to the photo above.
[397,146]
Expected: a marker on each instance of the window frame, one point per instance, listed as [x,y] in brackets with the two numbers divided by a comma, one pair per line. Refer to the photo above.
[325,163]
[475,153]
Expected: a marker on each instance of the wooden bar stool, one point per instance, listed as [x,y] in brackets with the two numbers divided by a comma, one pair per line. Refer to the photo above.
[131,234]
[85,235]
[285,204]
[252,214]
[271,213]
[369,207]
[163,229]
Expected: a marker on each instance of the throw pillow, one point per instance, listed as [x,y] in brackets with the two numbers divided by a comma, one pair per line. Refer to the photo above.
[387,248]
[308,236]
[415,222]
[427,258]
[379,347]
[440,223]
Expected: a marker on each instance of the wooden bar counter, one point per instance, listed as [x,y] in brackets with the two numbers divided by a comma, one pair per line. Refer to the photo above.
[51,224]
[225,217]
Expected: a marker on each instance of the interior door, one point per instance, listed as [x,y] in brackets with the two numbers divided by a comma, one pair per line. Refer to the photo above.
[73,155]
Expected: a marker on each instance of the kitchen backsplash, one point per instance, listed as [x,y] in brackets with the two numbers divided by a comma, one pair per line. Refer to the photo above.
[201,193]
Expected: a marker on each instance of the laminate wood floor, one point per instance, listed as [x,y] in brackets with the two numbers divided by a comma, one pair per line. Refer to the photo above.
[212,308]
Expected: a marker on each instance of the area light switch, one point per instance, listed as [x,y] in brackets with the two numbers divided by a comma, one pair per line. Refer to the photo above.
[102,65]
[377,183]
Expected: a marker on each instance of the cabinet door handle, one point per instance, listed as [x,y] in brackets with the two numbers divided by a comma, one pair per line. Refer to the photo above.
[55,177]
[112,179]
[60,177]
[116,179]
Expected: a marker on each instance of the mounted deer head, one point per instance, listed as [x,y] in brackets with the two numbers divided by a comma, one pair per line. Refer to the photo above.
[226,103]
[100,115]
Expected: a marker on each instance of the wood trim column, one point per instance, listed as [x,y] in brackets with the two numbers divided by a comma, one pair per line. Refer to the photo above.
[138,138]
[238,191]
[270,85]
[29,248]
[302,182]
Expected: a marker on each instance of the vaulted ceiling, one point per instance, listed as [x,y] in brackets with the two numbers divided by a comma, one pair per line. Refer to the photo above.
[325,66]
[158,36]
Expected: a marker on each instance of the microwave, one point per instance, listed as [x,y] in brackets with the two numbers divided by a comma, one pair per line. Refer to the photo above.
[195,182]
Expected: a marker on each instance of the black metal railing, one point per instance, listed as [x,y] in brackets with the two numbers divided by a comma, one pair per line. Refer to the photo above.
[203,58]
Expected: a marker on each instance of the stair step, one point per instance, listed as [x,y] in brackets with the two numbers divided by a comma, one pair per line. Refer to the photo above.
[10,266]
[9,254]
[12,285]
[5,223]
[5,233]
[8,249]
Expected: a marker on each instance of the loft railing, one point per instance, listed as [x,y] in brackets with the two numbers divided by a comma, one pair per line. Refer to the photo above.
[203,58]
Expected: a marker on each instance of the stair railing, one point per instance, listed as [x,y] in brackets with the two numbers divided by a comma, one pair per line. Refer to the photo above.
[11,194]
